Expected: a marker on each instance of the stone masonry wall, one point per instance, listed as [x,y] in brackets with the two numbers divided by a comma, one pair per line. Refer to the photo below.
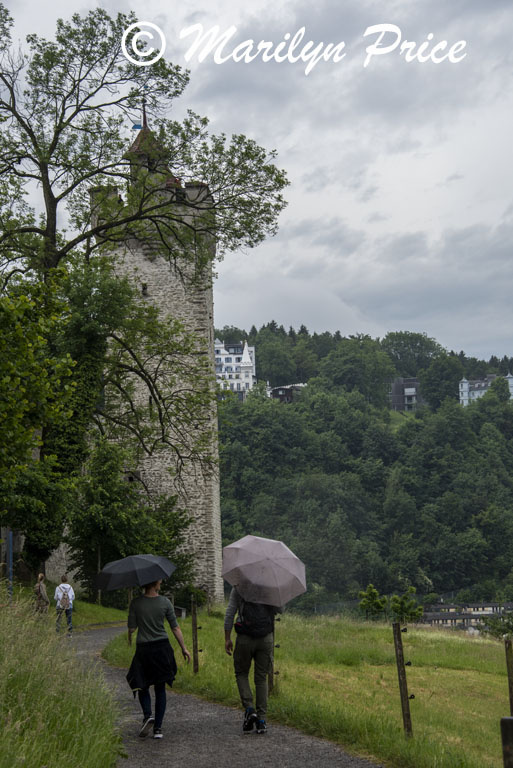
[191,303]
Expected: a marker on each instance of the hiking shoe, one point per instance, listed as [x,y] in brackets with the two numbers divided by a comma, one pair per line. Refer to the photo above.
[157,733]
[146,726]
[261,726]
[250,718]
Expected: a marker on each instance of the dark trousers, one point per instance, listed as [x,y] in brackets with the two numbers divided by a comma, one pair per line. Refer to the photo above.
[69,613]
[160,703]
[260,651]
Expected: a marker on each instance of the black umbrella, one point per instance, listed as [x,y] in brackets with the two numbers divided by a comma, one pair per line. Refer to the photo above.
[135,570]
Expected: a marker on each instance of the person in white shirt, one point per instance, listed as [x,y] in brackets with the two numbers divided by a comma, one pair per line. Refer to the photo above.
[64,596]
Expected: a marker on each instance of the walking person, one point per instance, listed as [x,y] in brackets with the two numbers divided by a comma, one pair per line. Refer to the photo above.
[64,595]
[154,661]
[255,642]
[42,599]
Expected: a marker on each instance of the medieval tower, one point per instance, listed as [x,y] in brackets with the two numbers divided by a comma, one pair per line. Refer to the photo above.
[177,280]
[181,288]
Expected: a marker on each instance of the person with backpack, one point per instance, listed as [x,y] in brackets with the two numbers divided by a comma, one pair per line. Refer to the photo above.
[255,642]
[42,599]
[64,596]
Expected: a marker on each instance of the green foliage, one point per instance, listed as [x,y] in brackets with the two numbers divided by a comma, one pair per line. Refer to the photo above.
[498,626]
[113,518]
[431,598]
[365,496]
[500,388]
[359,363]
[405,608]
[441,379]
[410,352]
[275,362]
[39,507]
[35,382]
[372,604]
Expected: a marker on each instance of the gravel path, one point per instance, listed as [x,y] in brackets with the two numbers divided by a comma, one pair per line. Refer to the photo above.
[204,734]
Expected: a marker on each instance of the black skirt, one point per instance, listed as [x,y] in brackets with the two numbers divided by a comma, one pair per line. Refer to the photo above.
[153,663]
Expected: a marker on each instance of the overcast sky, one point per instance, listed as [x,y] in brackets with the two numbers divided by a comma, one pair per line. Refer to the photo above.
[400,212]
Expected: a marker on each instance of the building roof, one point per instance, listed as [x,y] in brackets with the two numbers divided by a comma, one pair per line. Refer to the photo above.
[147,145]
[246,359]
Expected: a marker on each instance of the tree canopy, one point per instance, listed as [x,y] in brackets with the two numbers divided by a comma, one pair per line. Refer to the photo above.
[74,188]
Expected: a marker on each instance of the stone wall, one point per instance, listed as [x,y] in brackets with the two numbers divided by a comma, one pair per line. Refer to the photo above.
[178,292]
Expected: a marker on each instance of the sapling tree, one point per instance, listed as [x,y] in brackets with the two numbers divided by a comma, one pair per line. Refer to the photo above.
[372,604]
[404,607]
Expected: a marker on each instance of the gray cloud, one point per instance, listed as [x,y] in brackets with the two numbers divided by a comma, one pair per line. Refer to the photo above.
[400,215]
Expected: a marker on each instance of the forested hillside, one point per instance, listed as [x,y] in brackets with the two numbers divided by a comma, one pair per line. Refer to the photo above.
[358,496]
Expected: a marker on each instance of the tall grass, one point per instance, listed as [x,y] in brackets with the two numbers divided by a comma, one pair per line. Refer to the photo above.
[55,711]
[338,679]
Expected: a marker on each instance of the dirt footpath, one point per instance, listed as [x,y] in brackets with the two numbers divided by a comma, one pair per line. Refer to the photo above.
[200,734]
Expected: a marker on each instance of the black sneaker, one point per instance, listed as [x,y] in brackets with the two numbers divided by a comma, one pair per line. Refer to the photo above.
[157,733]
[146,726]
[250,718]
[261,726]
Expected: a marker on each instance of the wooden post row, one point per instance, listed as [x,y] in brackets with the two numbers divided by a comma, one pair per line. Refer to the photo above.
[401,672]
[194,620]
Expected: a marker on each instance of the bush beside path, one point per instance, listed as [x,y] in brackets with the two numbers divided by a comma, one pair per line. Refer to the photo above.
[204,734]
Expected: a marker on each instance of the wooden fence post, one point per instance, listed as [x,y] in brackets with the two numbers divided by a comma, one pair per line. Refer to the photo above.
[194,621]
[509,666]
[401,672]
[507,741]
[270,676]
[10,544]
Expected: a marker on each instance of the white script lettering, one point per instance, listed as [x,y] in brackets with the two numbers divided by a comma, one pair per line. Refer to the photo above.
[409,49]
[212,42]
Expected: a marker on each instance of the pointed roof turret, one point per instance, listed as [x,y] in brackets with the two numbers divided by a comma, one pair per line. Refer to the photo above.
[145,121]
[147,152]
[246,358]
[146,149]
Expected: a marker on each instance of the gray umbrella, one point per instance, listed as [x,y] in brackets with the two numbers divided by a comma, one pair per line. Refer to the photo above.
[134,570]
[263,570]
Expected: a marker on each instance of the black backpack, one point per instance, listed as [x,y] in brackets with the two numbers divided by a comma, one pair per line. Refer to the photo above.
[255,619]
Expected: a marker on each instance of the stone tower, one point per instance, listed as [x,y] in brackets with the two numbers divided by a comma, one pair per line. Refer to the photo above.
[181,289]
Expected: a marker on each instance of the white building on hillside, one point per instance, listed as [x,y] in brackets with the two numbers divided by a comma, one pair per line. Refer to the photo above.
[235,366]
[471,390]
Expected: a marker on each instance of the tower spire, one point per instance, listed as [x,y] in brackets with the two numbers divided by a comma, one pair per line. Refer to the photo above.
[145,121]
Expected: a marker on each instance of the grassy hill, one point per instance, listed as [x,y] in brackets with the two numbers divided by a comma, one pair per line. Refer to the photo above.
[46,697]
[338,679]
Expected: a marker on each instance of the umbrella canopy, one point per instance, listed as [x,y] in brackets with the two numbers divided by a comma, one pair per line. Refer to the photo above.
[135,570]
[263,570]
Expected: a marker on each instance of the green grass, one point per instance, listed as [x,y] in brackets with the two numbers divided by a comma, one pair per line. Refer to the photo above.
[55,712]
[398,418]
[338,679]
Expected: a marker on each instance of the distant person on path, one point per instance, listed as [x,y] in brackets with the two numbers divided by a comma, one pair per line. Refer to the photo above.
[154,661]
[42,599]
[255,642]
[64,595]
